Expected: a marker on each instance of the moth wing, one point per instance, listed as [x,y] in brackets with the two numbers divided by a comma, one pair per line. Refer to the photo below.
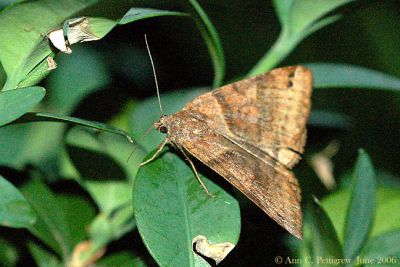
[267,183]
[267,112]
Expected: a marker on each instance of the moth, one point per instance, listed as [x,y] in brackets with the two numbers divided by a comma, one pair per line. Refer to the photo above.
[251,132]
[74,30]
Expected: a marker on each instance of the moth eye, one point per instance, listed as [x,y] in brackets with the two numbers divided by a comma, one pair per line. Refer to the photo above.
[163,129]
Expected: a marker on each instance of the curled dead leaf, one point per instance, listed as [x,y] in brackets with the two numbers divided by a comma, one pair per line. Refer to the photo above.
[217,252]
[74,30]
[77,259]
[51,63]
[322,165]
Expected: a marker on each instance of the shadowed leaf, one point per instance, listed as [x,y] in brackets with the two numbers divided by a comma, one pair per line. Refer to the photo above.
[15,103]
[15,211]
[323,237]
[360,212]
[328,75]
[171,209]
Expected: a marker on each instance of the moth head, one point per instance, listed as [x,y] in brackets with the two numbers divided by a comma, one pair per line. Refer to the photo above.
[160,125]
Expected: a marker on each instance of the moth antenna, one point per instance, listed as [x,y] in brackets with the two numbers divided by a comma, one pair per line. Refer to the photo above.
[154,73]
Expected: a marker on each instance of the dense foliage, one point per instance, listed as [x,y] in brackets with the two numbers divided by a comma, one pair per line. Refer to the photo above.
[68,195]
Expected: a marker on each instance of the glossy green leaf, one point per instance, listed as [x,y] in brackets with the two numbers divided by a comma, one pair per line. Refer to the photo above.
[387,199]
[22,44]
[328,75]
[48,117]
[171,209]
[383,250]
[147,112]
[283,10]
[323,237]
[23,38]
[15,103]
[360,212]
[15,211]
[303,14]
[135,14]
[212,40]
[386,216]
[298,20]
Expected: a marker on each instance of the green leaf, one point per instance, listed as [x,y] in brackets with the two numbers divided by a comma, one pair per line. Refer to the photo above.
[387,199]
[51,226]
[9,254]
[135,14]
[36,144]
[110,195]
[283,10]
[104,171]
[212,40]
[323,237]
[22,44]
[327,119]
[107,228]
[71,81]
[383,249]
[15,103]
[328,75]
[79,211]
[102,158]
[15,211]
[383,222]
[49,117]
[305,13]
[147,112]
[360,212]
[121,259]
[43,257]
[298,20]
[171,209]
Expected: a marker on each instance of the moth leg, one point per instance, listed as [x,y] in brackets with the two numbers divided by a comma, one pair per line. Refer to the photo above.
[160,147]
[196,173]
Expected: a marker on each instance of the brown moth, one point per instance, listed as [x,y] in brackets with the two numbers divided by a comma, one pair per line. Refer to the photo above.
[250,132]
